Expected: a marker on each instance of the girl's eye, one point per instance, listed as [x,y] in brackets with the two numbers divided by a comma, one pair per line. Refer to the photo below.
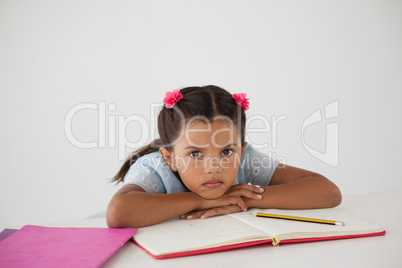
[196,154]
[227,152]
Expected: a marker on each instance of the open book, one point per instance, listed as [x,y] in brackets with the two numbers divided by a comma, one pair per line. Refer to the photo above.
[177,238]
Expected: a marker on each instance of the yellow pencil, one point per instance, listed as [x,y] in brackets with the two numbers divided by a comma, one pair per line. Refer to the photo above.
[284,217]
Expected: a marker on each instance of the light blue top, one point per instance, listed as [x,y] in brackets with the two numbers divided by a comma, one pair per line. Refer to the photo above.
[154,175]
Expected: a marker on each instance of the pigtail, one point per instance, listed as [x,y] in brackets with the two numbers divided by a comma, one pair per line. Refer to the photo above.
[150,148]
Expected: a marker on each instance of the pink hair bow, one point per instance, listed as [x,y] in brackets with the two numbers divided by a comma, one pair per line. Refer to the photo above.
[171,98]
[241,99]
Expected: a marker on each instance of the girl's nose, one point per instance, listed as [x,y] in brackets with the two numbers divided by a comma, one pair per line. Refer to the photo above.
[212,165]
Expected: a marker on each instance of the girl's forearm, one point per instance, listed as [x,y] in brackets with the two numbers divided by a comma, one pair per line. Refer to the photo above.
[306,193]
[138,209]
[131,206]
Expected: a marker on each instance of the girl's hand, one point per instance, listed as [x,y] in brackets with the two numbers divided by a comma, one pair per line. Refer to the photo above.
[245,190]
[204,214]
[232,201]
[234,196]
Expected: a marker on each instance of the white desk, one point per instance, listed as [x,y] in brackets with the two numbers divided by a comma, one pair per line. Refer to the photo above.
[382,251]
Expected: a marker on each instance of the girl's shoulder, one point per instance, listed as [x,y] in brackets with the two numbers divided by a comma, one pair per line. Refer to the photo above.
[152,160]
[251,152]
[146,166]
[146,173]
[256,167]
[153,174]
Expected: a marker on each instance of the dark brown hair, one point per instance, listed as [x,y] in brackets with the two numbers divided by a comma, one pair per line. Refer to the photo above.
[207,102]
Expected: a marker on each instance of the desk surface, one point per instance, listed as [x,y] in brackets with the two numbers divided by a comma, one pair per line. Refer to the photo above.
[382,251]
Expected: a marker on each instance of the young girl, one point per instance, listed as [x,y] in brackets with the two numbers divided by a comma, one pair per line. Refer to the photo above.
[201,166]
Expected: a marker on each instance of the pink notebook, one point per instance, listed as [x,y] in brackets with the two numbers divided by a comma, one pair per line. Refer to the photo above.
[37,246]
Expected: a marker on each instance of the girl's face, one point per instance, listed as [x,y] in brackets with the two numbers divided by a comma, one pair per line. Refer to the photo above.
[207,157]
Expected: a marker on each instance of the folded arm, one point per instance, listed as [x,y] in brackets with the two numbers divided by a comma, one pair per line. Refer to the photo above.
[289,188]
[131,206]
[295,188]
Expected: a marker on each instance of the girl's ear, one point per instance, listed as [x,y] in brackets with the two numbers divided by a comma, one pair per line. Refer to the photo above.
[168,158]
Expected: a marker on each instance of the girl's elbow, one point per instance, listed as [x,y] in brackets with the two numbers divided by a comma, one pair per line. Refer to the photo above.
[334,197]
[330,195]
[115,216]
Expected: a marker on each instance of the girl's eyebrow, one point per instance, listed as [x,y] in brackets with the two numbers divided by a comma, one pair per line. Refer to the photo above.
[230,145]
[199,148]
[193,147]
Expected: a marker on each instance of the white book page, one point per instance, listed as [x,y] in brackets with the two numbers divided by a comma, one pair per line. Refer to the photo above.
[176,235]
[281,228]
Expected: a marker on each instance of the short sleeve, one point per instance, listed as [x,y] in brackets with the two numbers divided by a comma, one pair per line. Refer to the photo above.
[256,168]
[145,176]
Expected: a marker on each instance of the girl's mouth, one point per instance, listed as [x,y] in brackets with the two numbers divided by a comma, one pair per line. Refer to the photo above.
[213,184]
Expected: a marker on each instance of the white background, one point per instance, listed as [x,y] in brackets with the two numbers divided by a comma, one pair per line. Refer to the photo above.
[290,57]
